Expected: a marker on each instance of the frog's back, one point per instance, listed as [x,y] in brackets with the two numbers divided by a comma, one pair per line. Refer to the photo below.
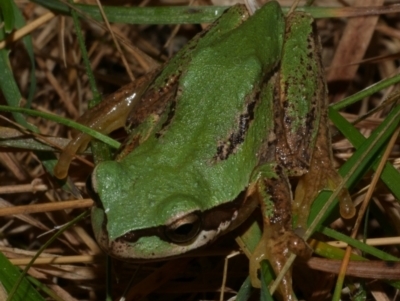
[204,148]
[207,134]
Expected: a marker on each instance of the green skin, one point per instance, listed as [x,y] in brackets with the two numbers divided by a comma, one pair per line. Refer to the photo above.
[235,111]
[179,172]
[206,154]
[214,135]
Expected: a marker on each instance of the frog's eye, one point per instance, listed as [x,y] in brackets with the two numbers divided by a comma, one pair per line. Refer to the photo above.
[184,229]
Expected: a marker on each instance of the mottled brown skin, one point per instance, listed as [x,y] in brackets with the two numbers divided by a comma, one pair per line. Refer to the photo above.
[300,154]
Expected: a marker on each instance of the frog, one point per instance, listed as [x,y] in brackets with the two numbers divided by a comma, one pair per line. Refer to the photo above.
[214,135]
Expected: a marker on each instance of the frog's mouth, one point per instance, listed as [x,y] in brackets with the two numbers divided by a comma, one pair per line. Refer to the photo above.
[183,234]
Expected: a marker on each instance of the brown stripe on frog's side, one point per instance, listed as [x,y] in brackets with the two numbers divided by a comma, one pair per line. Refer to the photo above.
[170,117]
[153,101]
[151,106]
[128,146]
[229,145]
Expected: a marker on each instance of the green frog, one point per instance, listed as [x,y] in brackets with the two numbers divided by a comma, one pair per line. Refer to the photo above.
[214,134]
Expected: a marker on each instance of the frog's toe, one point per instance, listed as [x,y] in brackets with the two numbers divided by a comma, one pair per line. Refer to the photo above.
[298,246]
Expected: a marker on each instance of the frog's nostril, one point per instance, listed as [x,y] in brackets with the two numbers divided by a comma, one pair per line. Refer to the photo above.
[185,229]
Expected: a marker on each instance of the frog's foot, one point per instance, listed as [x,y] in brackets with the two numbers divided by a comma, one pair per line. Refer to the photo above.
[76,145]
[278,240]
[276,246]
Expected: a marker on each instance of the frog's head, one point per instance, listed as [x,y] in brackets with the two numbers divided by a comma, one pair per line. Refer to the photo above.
[182,235]
[146,216]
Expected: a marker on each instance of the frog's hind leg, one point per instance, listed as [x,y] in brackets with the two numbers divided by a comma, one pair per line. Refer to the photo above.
[321,175]
[301,122]
[278,239]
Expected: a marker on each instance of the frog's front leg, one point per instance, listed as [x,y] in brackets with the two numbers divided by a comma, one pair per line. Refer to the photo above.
[107,116]
[273,191]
